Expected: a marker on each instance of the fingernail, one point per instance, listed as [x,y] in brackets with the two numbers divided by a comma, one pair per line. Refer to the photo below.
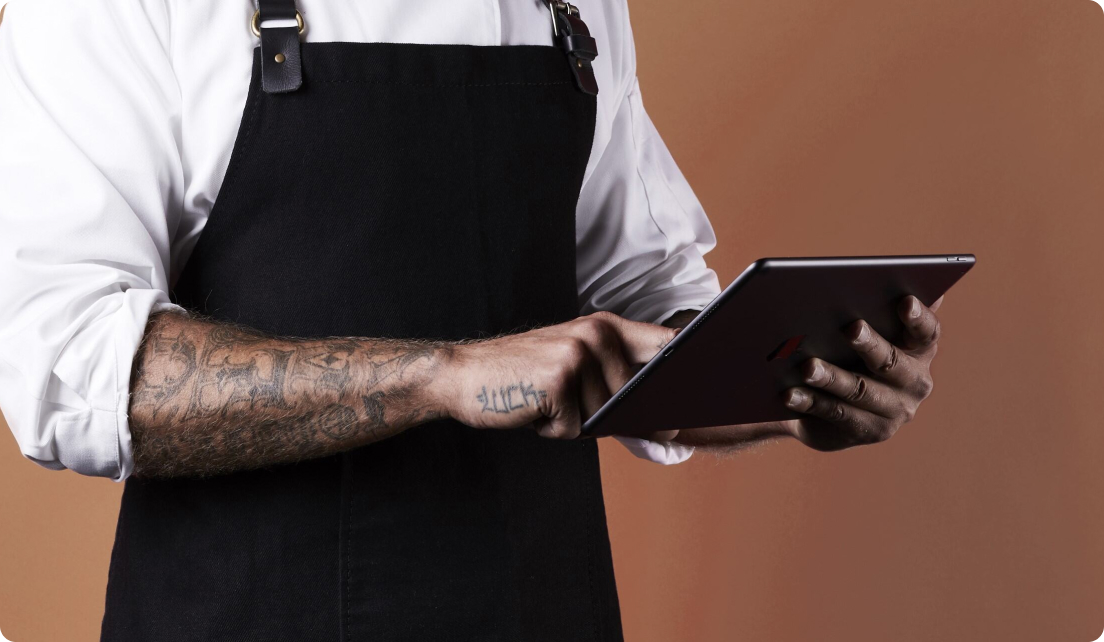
[816,374]
[797,398]
[861,337]
[914,308]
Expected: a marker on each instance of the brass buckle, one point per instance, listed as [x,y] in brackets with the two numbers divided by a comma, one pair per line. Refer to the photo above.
[255,23]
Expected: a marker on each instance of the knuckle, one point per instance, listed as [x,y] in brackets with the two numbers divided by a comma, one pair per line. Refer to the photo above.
[859,391]
[604,335]
[604,316]
[925,384]
[889,364]
[829,409]
[546,403]
[571,350]
[590,325]
[560,376]
[937,331]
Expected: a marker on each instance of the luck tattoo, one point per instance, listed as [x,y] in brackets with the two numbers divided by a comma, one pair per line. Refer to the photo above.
[506,399]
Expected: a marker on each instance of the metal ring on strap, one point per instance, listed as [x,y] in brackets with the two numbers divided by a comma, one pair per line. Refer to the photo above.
[255,23]
[556,5]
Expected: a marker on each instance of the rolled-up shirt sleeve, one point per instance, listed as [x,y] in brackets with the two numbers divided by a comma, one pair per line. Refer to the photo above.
[90,189]
[642,254]
[644,235]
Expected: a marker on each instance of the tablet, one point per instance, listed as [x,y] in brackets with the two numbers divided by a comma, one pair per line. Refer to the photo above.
[732,363]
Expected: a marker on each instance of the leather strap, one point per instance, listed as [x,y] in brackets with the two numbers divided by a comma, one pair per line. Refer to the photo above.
[580,47]
[277,9]
[281,64]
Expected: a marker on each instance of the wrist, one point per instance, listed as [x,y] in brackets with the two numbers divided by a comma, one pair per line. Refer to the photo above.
[444,380]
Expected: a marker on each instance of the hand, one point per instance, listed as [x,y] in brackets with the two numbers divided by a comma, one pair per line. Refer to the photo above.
[554,378]
[849,409]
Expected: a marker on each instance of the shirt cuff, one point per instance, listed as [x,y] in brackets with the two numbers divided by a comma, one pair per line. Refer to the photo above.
[128,337]
[666,453]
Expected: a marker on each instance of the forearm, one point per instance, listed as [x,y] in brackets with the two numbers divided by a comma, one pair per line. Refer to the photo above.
[209,398]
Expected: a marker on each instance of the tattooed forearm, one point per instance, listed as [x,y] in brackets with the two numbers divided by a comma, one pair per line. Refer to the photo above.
[506,399]
[208,398]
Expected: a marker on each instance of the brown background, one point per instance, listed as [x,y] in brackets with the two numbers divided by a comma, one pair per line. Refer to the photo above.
[821,127]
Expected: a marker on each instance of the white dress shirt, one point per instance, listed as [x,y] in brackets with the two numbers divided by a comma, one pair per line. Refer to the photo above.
[117,119]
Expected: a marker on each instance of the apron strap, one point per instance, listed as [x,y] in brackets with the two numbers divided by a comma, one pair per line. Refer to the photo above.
[575,39]
[282,70]
[281,66]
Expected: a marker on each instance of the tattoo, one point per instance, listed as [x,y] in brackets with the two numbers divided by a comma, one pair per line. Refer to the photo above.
[506,399]
[330,366]
[226,381]
[373,408]
[180,354]
[337,421]
[209,398]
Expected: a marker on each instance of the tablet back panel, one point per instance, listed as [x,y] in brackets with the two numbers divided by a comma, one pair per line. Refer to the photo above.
[732,363]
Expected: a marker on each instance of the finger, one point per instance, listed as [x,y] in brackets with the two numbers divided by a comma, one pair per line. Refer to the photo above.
[604,343]
[861,425]
[640,341]
[852,388]
[885,360]
[563,423]
[592,390]
[922,324]
[935,306]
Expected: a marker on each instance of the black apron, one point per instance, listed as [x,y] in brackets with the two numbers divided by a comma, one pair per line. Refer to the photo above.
[388,190]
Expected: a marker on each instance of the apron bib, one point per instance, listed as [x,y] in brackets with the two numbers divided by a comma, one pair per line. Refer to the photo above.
[388,190]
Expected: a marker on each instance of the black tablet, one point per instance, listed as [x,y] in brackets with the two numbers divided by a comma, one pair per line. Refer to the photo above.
[732,363]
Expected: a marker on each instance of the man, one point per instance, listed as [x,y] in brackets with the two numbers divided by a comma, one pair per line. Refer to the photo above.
[418,204]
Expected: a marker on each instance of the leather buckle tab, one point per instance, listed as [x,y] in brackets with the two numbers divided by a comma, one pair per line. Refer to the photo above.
[575,39]
[281,62]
